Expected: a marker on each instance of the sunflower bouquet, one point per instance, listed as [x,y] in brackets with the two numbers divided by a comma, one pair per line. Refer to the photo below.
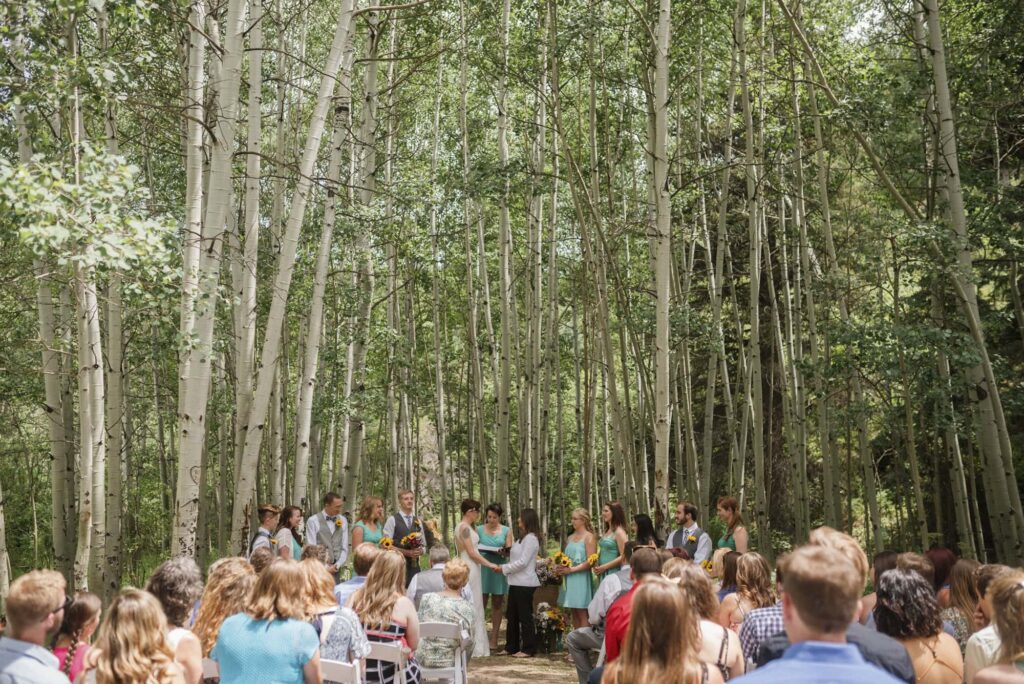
[412,541]
[592,559]
[562,560]
[707,565]
[550,620]
[387,543]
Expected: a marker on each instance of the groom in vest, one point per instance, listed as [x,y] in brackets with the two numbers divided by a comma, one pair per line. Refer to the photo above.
[401,524]
[329,529]
[688,536]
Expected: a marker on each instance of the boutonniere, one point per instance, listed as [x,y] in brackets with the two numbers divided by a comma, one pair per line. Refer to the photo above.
[691,538]
[338,520]
[273,541]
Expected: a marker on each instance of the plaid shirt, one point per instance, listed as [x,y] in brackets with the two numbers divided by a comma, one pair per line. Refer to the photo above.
[758,626]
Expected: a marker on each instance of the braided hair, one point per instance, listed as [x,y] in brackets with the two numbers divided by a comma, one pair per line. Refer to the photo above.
[83,611]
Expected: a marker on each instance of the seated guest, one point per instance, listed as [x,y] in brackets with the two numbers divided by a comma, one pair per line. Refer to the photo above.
[346,640]
[316,552]
[878,649]
[387,615]
[132,647]
[726,572]
[35,610]
[719,647]
[177,584]
[71,644]
[908,611]
[448,605]
[962,601]
[983,646]
[260,559]
[942,560]
[362,559]
[762,623]
[644,565]
[820,599]
[1007,601]
[753,591]
[271,641]
[661,640]
[321,605]
[227,592]
[883,561]
[584,642]
[923,566]
[432,580]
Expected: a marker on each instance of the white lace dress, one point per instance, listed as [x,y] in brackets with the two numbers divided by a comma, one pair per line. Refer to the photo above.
[481,646]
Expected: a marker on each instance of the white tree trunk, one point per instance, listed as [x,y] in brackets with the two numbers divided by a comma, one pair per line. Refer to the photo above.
[196,362]
[504,389]
[245,483]
[662,261]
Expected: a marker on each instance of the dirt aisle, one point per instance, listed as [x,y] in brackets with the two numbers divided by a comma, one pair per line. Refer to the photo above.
[542,669]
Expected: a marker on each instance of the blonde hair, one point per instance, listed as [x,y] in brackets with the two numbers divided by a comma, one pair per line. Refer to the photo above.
[754,580]
[366,509]
[1007,595]
[822,586]
[455,574]
[718,562]
[280,592]
[695,585]
[132,643]
[844,544]
[32,598]
[227,592]
[585,514]
[661,639]
[319,587]
[385,583]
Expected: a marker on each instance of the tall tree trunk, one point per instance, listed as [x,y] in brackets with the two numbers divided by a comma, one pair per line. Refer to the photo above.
[662,262]
[194,368]
[245,483]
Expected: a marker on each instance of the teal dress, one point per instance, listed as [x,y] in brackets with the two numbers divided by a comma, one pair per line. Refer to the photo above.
[494,583]
[577,588]
[368,534]
[607,550]
[726,541]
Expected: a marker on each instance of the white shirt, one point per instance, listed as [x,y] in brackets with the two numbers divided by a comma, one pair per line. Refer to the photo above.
[607,592]
[982,651]
[411,591]
[703,551]
[313,526]
[521,568]
[389,524]
[263,537]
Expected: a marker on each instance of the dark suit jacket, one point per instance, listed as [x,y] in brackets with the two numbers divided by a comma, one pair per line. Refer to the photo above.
[877,648]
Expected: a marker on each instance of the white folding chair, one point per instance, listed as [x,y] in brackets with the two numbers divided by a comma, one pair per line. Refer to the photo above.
[389,653]
[342,673]
[600,655]
[457,673]
[210,669]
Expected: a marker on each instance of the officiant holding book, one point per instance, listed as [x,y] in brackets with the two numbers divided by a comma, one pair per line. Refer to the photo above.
[495,541]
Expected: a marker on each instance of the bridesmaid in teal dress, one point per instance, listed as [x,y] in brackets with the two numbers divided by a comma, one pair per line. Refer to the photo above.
[577,585]
[612,541]
[369,525]
[735,536]
[494,584]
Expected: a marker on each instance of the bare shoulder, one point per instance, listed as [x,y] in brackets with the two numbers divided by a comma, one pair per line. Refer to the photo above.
[714,676]
[999,674]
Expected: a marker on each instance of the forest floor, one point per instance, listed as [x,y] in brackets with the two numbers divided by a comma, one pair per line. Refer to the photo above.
[541,669]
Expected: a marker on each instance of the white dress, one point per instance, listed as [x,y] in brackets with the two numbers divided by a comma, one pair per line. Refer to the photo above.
[481,645]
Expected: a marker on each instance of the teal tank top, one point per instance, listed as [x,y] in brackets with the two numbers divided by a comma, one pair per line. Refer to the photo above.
[369,535]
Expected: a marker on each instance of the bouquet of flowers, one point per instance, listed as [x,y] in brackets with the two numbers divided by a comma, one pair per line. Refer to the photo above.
[412,541]
[387,543]
[707,565]
[592,559]
[562,560]
[546,572]
[550,621]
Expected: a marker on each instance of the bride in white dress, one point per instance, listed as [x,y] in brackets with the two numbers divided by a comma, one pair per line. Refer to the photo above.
[466,541]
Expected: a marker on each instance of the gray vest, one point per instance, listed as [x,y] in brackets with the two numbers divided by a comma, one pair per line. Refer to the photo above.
[332,542]
[428,582]
[412,565]
[679,541]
